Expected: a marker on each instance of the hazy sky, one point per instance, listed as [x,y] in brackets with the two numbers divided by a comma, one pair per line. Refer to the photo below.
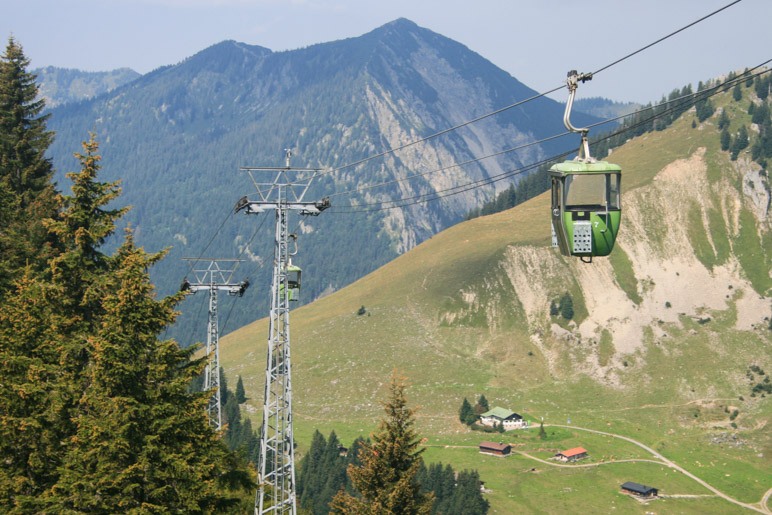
[536,41]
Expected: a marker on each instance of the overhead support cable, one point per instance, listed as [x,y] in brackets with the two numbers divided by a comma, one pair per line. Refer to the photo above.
[663,38]
[686,100]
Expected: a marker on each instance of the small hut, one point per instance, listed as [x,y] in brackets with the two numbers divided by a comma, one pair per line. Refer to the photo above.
[496,449]
[639,490]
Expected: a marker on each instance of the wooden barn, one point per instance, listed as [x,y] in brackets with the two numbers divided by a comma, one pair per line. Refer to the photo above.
[496,449]
[639,490]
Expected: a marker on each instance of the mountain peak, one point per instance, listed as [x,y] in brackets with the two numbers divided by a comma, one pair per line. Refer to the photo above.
[401,24]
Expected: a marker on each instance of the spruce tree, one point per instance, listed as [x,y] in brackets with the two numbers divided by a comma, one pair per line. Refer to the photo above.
[310,472]
[81,229]
[143,441]
[483,403]
[723,120]
[726,139]
[760,114]
[27,193]
[71,312]
[386,480]
[132,435]
[445,487]
[704,109]
[762,148]
[466,413]
[334,475]
[740,142]
[762,86]
[241,394]
[225,392]
[33,412]
[467,497]
[737,92]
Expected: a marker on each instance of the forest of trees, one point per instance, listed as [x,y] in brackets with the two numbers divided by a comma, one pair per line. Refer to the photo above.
[96,412]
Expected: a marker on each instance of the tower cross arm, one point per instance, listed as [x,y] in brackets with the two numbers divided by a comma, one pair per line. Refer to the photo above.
[305,208]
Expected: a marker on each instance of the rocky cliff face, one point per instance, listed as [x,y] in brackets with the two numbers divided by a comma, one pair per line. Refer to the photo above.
[679,260]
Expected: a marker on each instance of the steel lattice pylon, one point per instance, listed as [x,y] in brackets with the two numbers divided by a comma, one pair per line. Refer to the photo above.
[215,277]
[276,466]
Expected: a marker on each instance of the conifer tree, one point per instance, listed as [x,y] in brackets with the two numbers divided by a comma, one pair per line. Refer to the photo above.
[334,478]
[241,394]
[33,413]
[454,494]
[740,142]
[737,92]
[71,313]
[726,139]
[27,193]
[723,120]
[467,496]
[225,392]
[760,114]
[81,229]
[704,109]
[762,86]
[386,480]
[117,429]
[143,442]
[309,471]
[483,403]
[466,414]
[762,148]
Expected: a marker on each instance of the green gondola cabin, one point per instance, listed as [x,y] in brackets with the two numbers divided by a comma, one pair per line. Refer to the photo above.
[586,209]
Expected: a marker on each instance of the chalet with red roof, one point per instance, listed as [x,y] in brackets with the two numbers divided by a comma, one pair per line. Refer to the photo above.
[575,454]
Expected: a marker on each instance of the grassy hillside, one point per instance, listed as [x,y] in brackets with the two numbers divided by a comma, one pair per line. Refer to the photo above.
[664,348]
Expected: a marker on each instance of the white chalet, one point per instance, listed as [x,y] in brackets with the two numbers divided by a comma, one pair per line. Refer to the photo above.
[503,417]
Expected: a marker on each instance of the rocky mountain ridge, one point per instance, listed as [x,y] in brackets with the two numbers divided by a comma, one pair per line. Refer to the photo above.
[177,136]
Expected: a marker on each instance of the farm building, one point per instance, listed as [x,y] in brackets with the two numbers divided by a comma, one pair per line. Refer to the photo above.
[575,454]
[497,449]
[503,417]
[639,490]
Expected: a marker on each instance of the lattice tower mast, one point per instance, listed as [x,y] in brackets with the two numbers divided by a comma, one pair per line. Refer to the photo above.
[217,276]
[276,466]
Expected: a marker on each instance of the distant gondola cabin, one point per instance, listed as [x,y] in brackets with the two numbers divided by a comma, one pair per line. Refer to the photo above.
[586,208]
[293,274]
